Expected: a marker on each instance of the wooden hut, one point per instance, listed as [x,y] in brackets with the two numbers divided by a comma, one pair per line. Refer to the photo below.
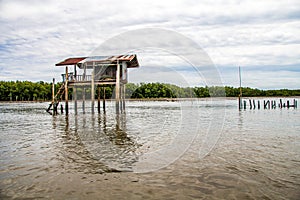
[99,71]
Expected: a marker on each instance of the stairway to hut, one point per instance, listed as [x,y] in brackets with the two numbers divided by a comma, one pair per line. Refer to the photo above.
[56,100]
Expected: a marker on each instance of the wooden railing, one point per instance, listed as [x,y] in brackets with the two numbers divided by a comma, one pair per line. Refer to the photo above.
[72,77]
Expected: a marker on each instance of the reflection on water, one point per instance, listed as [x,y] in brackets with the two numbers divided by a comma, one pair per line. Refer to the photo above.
[85,156]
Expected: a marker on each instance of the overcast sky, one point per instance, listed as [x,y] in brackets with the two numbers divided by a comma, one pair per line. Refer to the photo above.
[263,37]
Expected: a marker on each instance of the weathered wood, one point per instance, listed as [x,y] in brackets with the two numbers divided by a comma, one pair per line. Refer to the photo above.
[93,89]
[123,97]
[66,93]
[53,95]
[98,96]
[117,88]
[83,100]
[295,103]
[288,104]
[258,104]
[103,99]
[245,102]
[250,103]
[280,103]
[254,104]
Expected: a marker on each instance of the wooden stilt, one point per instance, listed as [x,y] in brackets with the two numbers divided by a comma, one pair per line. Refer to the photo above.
[123,96]
[258,104]
[98,91]
[75,91]
[53,96]
[83,99]
[245,102]
[103,99]
[117,96]
[93,89]
[66,93]
[250,103]
[254,104]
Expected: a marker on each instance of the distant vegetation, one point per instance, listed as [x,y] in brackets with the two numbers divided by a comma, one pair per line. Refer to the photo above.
[41,91]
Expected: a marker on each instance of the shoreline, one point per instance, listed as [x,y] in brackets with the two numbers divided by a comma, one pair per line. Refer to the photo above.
[165,99]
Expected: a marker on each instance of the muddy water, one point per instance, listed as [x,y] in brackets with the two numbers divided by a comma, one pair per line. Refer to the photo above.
[203,149]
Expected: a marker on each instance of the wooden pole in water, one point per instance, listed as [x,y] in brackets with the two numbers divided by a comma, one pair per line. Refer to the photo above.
[123,93]
[66,93]
[83,90]
[240,95]
[250,103]
[53,96]
[258,104]
[280,103]
[103,99]
[118,88]
[254,104]
[245,102]
[98,99]
[75,90]
[93,88]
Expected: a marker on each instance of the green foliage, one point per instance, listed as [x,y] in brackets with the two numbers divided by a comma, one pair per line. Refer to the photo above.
[41,91]
[153,90]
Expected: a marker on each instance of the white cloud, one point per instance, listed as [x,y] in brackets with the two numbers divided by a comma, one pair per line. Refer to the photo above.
[37,34]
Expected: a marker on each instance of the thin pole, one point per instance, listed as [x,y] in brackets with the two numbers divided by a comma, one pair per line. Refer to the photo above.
[118,88]
[93,88]
[240,95]
[66,92]
[53,95]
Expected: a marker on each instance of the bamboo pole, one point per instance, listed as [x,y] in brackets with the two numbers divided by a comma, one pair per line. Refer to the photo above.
[53,96]
[66,92]
[75,90]
[117,88]
[240,95]
[93,89]
[103,99]
[98,95]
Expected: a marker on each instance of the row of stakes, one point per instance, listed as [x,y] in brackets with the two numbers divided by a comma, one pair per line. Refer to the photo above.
[269,104]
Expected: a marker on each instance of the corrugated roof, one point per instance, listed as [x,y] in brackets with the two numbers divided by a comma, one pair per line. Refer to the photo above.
[70,61]
[130,59]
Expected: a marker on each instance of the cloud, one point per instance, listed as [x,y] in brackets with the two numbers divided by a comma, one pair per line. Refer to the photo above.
[256,35]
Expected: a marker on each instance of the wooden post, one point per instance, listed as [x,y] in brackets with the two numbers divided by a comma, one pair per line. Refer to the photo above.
[254,104]
[83,99]
[53,96]
[245,104]
[295,103]
[75,90]
[103,99]
[117,88]
[93,89]
[66,92]
[240,95]
[123,96]
[280,103]
[258,104]
[83,90]
[250,103]
[288,104]
[98,99]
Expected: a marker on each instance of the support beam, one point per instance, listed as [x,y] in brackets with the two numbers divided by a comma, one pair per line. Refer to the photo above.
[93,89]
[117,89]
[123,97]
[98,95]
[53,96]
[103,99]
[66,93]
[75,91]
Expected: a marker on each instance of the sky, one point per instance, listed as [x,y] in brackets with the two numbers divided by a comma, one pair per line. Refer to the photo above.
[262,37]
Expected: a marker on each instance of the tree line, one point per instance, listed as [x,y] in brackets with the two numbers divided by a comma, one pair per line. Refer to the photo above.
[41,91]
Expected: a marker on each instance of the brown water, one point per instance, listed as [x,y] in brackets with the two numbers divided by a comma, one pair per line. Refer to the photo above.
[203,149]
